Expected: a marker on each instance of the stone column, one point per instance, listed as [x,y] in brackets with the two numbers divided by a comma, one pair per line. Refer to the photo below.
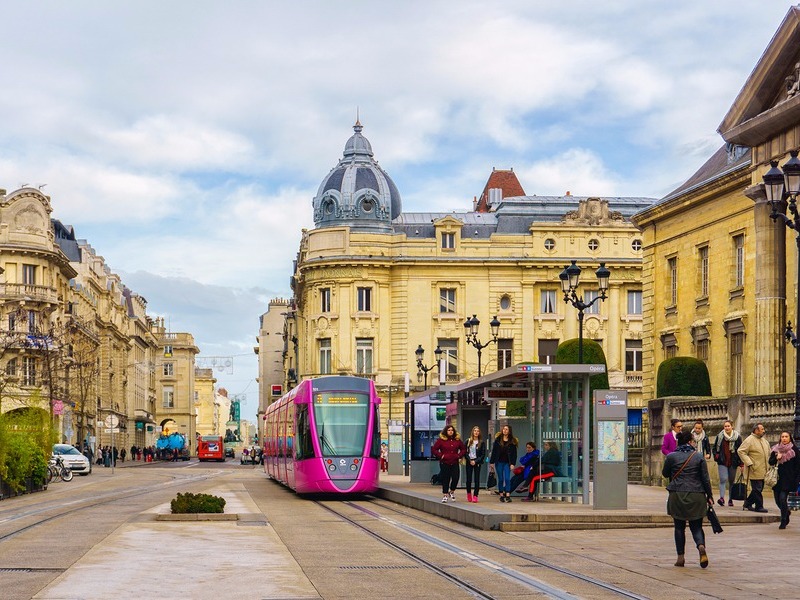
[616,341]
[770,297]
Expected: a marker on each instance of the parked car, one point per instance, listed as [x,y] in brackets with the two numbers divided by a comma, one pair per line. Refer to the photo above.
[229,453]
[72,458]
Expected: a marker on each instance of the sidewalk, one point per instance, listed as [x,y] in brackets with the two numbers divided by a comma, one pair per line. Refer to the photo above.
[231,575]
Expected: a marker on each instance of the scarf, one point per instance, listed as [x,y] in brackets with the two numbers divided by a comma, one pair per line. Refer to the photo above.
[732,437]
[685,448]
[786,451]
[699,437]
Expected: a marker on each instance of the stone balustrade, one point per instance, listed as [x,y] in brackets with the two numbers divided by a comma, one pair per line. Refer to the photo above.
[775,411]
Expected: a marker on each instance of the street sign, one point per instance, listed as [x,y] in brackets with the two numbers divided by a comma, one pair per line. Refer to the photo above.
[111,421]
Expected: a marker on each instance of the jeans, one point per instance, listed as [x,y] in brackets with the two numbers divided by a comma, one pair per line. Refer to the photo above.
[449,475]
[696,527]
[727,476]
[473,471]
[781,499]
[755,499]
[503,471]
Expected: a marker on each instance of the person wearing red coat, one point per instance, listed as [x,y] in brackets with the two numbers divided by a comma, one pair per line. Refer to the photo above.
[449,449]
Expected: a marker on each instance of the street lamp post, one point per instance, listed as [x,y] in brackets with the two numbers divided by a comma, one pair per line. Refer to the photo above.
[422,370]
[471,331]
[782,188]
[570,277]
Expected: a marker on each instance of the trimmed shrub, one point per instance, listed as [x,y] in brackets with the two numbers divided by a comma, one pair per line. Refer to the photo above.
[26,442]
[683,376]
[197,503]
[567,354]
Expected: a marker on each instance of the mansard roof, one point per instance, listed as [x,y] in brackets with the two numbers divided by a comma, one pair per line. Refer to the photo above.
[504,180]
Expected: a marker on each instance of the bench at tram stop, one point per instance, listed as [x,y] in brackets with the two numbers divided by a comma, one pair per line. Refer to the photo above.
[545,479]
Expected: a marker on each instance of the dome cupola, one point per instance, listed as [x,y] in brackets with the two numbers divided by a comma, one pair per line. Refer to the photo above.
[357,192]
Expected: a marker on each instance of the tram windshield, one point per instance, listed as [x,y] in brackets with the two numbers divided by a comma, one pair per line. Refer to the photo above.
[341,422]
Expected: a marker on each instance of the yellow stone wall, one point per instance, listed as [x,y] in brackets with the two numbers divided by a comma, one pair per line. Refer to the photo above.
[406,274]
[678,229]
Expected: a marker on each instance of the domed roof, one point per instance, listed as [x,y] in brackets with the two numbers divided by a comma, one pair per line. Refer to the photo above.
[357,192]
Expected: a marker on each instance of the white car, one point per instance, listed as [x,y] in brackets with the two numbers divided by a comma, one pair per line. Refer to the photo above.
[72,458]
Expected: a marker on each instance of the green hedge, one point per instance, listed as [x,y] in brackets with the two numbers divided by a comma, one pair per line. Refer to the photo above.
[683,376]
[197,503]
[26,442]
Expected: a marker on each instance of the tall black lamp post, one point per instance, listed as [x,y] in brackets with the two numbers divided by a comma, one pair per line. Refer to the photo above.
[471,331]
[782,188]
[570,277]
[422,370]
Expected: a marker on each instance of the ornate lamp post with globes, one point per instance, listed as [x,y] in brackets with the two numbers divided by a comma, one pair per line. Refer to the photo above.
[471,331]
[782,188]
[570,277]
[422,370]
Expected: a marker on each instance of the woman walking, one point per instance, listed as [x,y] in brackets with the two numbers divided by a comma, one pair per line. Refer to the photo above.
[476,456]
[690,495]
[785,454]
[504,455]
[725,455]
[449,449]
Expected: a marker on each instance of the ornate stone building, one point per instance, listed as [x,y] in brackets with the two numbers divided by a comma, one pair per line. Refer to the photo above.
[716,265]
[373,283]
[204,407]
[74,341]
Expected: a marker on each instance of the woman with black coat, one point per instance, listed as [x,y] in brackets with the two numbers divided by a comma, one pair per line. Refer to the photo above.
[690,495]
[726,455]
[504,456]
[476,456]
[785,454]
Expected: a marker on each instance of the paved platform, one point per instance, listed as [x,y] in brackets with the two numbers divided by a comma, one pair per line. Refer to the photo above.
[256,544]
[646,508]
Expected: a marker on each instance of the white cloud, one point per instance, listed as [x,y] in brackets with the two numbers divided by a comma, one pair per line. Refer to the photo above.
[578,171]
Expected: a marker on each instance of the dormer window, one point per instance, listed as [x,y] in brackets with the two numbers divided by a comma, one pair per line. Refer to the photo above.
[448,240]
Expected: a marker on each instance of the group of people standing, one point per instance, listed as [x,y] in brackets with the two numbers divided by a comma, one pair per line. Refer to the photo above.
[745,460]
[450,449]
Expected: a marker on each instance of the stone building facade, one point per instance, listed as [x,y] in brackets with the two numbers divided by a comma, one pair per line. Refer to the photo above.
[373,283]
[272,345]
[719,281]
[74,340]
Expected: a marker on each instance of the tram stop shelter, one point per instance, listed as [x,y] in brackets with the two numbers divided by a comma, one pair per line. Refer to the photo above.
[541,403]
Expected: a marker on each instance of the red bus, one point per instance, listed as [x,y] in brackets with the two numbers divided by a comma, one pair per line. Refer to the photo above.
[211,447]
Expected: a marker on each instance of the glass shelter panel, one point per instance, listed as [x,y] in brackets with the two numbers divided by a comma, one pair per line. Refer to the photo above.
[558,424]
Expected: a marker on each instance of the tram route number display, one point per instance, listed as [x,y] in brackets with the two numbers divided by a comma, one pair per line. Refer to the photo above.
[329,399]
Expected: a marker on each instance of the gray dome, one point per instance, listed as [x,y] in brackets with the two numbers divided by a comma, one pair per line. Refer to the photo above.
[357,192]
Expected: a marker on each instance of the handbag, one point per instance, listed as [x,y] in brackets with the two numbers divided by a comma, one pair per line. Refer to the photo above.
[739,487]
[714,520]
[518,470]
[491,481]
[771,478]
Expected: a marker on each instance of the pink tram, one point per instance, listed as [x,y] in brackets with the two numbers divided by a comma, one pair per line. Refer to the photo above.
[324,436]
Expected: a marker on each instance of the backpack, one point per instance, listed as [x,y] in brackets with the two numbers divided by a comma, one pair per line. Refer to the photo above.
[435,479]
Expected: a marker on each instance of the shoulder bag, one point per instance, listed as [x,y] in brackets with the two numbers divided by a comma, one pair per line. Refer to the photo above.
[739,486]
[771,478]
[686,462]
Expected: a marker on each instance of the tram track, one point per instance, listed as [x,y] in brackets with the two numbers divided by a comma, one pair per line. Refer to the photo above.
[515,553]
[538,585]
[88,503]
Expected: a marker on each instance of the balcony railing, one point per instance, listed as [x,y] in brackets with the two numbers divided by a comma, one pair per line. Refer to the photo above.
[24,291]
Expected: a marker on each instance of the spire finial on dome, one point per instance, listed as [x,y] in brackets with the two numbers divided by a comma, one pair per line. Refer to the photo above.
[358,126]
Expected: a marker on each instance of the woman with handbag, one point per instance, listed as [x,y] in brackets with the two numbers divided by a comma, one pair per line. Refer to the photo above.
[476,456]
[725,455]
[690,495]
[525,470]
[504,456]
[785,454]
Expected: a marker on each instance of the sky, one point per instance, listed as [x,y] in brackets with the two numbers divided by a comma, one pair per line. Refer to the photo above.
[185,140]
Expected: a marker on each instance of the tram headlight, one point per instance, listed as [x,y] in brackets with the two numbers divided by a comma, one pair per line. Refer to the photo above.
[354,467]
[331,467]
